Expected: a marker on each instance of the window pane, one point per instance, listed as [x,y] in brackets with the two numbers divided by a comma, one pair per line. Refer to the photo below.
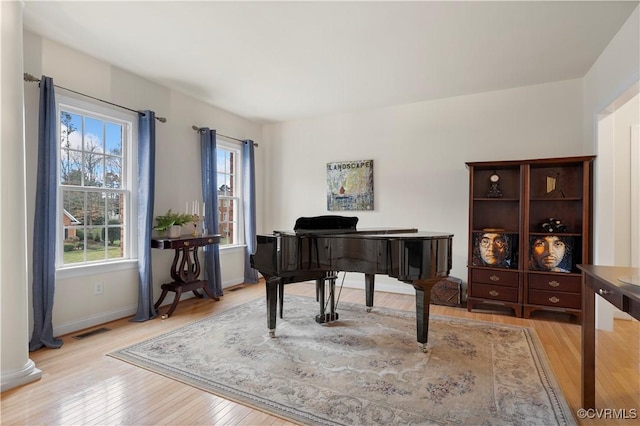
[70,144]
[73,207]
[231,180]
[230,234]
[115,248]
[70,131]
[113,175]
[226,237]
[96,208]
[95,247]
[113,139]
[93,135]
[224,163]
[73,246]
[93,169]
[115,208]
[70,167]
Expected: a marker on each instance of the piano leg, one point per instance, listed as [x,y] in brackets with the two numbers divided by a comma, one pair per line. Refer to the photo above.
[423,299]
[272,285]
[369,281]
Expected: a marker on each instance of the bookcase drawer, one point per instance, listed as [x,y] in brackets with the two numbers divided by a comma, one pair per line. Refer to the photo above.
[555,298]
[558,282]
[494,292]
[495,277]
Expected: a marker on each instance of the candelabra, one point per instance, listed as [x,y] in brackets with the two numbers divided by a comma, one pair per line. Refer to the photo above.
[194,219]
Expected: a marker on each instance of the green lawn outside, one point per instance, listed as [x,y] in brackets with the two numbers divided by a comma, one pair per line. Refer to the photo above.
[92,255]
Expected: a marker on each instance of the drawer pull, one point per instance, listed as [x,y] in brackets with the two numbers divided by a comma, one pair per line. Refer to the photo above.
[494,278]
[186,243]
[554,299]
[554,283]
[602,291]
[494,293]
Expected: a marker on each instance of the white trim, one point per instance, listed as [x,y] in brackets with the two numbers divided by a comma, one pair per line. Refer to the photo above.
[86,269]
[14,378]
[236,147]
[635,196]
[92,321]
[130,153]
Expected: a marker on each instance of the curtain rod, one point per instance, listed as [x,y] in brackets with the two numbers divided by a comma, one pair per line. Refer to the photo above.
[31,79]
[197,129]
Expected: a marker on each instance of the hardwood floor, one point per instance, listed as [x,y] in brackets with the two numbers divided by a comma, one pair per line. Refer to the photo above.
[82,386]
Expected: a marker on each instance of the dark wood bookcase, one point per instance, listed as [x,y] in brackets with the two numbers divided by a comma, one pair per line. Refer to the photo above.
[511,255]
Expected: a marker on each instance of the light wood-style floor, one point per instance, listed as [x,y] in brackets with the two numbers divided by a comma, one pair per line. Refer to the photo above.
[82,386]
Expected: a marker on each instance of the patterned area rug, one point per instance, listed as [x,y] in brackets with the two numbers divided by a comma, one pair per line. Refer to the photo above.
[365,369]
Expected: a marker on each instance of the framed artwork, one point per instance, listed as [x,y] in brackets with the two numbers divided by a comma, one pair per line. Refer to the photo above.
[495,249]
[350,185]
[551,252]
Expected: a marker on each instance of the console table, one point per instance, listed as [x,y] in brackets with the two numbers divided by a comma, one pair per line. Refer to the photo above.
[185,268]
[604,281]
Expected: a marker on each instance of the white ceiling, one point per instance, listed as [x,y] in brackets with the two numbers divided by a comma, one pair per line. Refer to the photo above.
[278,61]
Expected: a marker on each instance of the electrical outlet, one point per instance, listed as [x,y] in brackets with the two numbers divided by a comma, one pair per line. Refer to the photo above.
[98,288]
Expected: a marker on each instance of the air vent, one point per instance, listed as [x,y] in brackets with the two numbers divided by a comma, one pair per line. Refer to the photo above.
[92,333]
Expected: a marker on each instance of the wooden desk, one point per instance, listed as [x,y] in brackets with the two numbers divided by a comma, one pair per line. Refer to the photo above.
[604,281]
[185,268]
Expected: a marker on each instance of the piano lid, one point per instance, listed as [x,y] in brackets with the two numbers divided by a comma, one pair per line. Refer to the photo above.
[363,231]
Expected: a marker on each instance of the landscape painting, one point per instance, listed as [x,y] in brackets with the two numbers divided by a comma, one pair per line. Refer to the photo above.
[350,185]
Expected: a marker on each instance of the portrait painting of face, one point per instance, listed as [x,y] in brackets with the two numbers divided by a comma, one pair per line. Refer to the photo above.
[492,249]
[550,253]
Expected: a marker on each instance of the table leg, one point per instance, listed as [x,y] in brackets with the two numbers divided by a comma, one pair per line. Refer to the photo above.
[588,345]
[176,299]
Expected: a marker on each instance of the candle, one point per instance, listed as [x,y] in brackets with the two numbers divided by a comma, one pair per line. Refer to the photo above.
[204,206]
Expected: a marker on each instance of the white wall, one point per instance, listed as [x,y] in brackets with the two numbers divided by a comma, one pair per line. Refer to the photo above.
[419,152]
[177,172]
[609,85]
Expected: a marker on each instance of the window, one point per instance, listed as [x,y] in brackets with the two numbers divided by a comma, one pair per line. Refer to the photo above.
[94,188]
[229,192]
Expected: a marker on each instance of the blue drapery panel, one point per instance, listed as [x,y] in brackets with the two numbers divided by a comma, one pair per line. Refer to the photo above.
[44,224]
[146,188]
[210,196]
[249,199]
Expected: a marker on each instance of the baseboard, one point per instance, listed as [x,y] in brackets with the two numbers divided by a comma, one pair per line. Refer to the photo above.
[84,323]
[72,327]
[617,314]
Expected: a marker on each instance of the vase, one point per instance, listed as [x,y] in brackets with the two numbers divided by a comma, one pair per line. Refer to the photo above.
[175,231]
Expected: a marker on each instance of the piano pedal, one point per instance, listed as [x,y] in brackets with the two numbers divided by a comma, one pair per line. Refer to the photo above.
[328,317]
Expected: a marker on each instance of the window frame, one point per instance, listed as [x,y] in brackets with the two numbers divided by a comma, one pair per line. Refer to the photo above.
[238,220]
[129,122]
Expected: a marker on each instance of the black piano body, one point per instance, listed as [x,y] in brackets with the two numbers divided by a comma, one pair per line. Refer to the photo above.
[417,258]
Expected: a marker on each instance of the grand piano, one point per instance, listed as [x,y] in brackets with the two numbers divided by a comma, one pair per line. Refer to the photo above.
[321,246]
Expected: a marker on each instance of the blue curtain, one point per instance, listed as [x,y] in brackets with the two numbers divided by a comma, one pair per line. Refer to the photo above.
[44,224]
[146,188]
[249,199]
[210,196]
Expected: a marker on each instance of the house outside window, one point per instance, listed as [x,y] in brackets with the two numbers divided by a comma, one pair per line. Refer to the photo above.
[229,192]
[94,184]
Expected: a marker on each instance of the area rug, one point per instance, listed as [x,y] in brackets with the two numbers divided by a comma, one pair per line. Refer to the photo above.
[365,369]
